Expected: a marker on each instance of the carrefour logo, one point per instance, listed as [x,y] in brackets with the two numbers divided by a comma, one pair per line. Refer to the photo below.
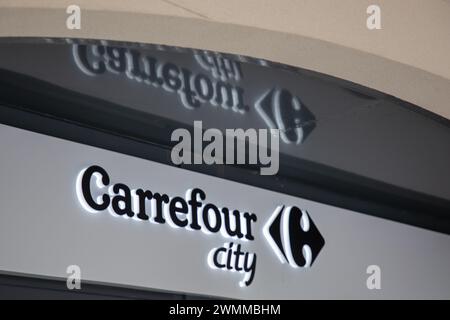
[282,110]
[293,236]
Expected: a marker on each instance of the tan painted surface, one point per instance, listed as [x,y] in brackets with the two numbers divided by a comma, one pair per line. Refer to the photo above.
[409,58]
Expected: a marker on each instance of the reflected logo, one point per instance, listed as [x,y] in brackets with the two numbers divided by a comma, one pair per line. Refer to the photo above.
[293,236]
[286,112]
[194,89]
[220,86]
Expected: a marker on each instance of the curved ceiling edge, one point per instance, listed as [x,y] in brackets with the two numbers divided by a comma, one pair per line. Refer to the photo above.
[408,83]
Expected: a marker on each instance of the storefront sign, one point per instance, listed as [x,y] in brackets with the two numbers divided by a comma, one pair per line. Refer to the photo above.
[290,231]
[136,223]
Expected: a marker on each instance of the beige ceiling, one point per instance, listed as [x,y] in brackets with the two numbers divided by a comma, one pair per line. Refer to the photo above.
[408,57]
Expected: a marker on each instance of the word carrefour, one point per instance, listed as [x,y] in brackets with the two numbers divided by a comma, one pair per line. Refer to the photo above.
[96,193]
[194,89]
